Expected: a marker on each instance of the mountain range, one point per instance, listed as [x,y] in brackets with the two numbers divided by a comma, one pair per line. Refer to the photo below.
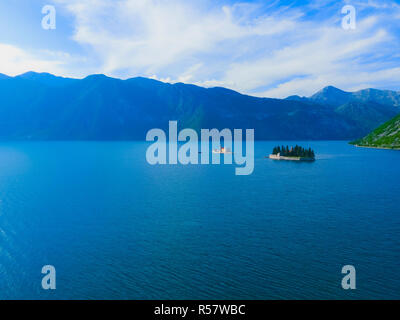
[41,106]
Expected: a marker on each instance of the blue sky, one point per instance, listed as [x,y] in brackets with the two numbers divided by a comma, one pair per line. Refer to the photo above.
[263,48]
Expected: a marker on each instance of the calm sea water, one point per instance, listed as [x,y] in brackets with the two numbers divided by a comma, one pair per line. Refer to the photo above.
[115,227]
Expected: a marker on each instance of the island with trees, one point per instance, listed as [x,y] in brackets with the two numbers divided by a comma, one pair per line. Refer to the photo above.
[296,153]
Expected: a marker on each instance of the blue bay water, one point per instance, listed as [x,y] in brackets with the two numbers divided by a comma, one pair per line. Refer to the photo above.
[116,227]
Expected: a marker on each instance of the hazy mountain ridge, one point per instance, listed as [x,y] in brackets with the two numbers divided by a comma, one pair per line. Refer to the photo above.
[45,107]
[336,97]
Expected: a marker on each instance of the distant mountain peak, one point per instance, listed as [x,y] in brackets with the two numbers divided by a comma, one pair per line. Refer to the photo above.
[35,75]
[45,78]
[332,90]
[296,98]
[32,75]
[145,80]
[332,96]
[97,76]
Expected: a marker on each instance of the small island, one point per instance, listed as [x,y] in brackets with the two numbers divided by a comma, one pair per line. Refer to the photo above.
[296,153]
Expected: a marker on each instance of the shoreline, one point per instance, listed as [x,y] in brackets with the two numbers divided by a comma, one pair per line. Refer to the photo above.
[371,147]
[275,157]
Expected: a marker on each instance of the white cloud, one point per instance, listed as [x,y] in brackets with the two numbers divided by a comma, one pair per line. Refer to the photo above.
[169,37]
[262,49]
[15,61]
[267,52]
[305,67]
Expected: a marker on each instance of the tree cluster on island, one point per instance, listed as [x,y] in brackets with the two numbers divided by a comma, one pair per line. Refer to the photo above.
[296,151]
